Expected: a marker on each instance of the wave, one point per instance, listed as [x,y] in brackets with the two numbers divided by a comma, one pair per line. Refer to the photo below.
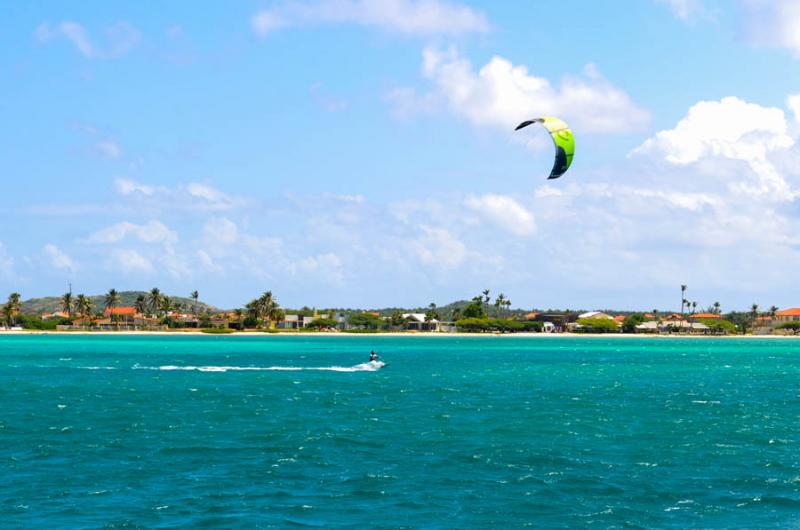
[372,366]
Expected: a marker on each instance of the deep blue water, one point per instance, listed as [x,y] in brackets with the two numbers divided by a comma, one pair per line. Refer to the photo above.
[487,432]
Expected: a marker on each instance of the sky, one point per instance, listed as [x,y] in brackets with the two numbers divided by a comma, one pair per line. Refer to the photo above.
[362,153]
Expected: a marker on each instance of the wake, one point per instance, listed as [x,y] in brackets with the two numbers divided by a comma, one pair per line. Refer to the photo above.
[372,366]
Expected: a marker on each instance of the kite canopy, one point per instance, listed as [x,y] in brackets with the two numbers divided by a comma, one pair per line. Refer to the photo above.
[562,139]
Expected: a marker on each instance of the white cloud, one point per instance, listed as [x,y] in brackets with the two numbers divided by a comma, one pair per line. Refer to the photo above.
[505,212]
[130,261]
[119,38]
[412,17]
[503,94]
[773,23]
[150,232]
[108,148]
[222,231]
[438,247]
[127,187]
[59,259]
[192,196]
[730,129]
[793,102]
[686,10]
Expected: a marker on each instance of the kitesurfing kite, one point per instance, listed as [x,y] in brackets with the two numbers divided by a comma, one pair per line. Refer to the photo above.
[562,139]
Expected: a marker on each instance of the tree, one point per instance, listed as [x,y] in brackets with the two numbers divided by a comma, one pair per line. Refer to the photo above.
[195,296]
[154,298]
[683,298]
[486,299]
[396,319]
[694,307]
[365,320]
[12,308]
[499,302]
[112,301]
[166,305]
[631,321]
[474,309]
[753,315]
[717,307]
[67,304]
[773,310]
[85,306]
[141,304]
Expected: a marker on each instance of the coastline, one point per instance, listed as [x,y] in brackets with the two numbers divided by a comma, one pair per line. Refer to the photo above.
[554,336]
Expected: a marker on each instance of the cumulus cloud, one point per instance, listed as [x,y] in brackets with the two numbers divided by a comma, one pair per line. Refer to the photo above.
[119,38]
[500,92]
[773,23]
[130,261]
[59,259]
[730,129]
[686,10]
[438,247]
[108,148]
[192,196]
[505,212]
[411,17]
[150,232]
[793,102]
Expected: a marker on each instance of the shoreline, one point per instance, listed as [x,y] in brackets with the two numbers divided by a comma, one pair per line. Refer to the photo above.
[396,334]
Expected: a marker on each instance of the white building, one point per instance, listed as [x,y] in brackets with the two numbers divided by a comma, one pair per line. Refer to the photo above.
[417,322]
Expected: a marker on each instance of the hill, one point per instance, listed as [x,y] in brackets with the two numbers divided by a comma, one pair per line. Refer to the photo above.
[38,306]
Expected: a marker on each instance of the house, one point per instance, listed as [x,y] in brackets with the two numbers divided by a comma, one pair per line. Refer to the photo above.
[595,314]
[788,315]
[417,322]
[682,326]
[55,314]
[619,319]
[706,315]
[296,321]
[121,314]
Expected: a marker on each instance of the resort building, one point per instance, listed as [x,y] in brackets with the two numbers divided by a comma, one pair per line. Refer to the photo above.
[788,315]
[417,322]
[295,321]
[706,315]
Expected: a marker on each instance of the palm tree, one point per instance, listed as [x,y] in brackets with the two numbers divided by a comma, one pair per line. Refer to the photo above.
[141,304]
[155,299]
[80,301]
[683,298]
[195,296]
[239,314]
[166,304]
[66,304]
[754,314]
[12,308]
[486,300]
[112,301]
[694,307]
[507,303]
[266,304]
[499,301]
[86,307]
[717,309]
[773,310]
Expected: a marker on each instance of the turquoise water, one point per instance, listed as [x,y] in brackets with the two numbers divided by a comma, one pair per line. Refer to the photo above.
[500,432]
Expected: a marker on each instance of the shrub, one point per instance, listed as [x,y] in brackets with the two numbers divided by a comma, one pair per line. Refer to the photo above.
[597,325]
[217,331]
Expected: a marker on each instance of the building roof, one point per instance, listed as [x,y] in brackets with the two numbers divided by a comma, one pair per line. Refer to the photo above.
[595,314]
[531,315]
[419,317]
[619,318]
[791,312]
[706,315]
[121,310]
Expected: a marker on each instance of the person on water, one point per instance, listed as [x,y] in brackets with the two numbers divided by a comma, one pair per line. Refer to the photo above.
[373,356]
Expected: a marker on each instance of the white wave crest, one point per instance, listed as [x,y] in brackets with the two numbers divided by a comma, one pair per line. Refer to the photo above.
[371,366]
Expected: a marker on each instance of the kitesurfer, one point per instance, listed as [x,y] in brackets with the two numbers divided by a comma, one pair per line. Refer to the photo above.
[373,356]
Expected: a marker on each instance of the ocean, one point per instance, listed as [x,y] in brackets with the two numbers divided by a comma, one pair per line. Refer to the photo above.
[454,432]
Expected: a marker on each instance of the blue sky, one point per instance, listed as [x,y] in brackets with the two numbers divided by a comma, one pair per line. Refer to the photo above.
[361,152]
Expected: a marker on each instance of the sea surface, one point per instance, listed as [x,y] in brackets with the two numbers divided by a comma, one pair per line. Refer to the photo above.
[485,432]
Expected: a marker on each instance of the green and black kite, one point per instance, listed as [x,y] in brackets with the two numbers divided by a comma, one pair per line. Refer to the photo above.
[562,139]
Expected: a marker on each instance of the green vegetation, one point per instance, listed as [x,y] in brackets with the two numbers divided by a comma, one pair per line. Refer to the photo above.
[597,325]
[126,298]
[720,326]
[793,326]
[322,323]
[631,321]
[218,331]
[502,325]
[366,321]
[35,322]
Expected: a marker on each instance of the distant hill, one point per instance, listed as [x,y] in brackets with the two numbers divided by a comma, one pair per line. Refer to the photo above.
[127,298]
